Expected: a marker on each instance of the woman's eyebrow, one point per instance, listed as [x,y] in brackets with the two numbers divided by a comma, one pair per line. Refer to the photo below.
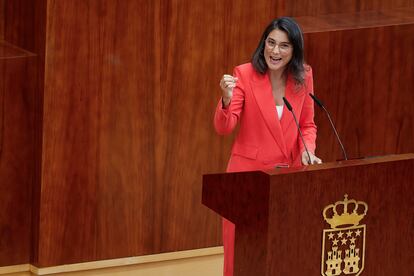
[279,42]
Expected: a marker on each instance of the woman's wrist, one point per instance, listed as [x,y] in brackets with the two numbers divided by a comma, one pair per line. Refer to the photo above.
[225,102]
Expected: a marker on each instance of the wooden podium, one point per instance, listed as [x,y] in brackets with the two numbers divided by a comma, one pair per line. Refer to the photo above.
[281,228]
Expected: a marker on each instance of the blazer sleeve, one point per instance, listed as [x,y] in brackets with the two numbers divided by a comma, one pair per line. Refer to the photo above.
[306,121]
[225,119]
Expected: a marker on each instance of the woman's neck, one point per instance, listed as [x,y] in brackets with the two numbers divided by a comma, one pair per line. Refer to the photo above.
[277,77]
[278,82]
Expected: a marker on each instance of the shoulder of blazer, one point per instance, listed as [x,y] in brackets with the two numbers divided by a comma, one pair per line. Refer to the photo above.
[308,71]
[246,68]
[308,78]
[247,72]
[307,86]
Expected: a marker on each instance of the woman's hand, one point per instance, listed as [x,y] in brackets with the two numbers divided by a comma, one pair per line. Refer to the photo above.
[227,83]
[314,159]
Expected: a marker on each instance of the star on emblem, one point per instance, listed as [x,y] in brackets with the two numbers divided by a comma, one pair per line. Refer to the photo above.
[343,241]
[331,236]
[352,240]
[349,234]
[358,233]
[335,242]
[340,234]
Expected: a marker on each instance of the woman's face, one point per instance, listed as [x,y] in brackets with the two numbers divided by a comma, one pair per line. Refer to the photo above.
[278,50]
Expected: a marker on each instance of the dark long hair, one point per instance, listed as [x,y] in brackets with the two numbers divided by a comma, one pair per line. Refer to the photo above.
[294,33]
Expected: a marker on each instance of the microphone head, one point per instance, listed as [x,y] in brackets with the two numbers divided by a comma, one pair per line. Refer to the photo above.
[287,104]
[316,100]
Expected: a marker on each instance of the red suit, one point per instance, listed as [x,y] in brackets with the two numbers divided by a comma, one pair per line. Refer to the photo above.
[263,142]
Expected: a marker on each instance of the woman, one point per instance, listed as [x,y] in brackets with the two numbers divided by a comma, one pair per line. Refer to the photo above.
[268,136]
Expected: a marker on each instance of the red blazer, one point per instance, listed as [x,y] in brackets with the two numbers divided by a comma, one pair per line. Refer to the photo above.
[263,141]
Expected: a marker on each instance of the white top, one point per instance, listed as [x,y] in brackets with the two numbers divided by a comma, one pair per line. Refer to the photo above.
[279,109]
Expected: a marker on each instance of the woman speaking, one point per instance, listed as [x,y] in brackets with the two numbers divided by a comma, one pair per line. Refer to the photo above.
[254,96]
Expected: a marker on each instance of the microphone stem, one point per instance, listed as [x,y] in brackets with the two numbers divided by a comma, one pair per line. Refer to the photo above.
[336,133]
[303,140]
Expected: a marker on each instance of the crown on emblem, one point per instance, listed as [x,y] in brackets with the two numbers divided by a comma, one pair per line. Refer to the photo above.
[345,213]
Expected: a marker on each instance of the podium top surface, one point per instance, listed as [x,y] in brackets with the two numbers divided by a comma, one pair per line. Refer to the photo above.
[331,165]
[344,163]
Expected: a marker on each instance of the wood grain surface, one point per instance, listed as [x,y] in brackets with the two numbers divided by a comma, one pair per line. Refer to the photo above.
[367,86]
[278,215]
[2,15]
[17,130]
[320,7]
[24,23]
[385,187]
[359,20]
[19,27]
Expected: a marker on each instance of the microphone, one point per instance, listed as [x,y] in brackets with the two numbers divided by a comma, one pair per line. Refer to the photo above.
[320,104]
[297,125]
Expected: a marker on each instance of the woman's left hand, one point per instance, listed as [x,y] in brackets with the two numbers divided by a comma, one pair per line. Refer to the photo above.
[314,159]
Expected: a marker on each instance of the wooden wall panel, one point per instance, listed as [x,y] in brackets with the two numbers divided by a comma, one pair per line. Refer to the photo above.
[349,21]
[24,26]
[16,153]
[19,23]
[319,7]
[198,49]
[98,131]
[130,91]
[2,15]
[365,78]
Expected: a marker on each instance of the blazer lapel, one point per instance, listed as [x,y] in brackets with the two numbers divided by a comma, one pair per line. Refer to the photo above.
[262,91]
[294,96]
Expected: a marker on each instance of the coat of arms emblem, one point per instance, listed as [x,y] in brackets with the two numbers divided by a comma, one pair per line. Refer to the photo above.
[343,245]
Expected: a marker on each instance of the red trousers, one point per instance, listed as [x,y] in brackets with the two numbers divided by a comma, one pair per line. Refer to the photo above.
[228,242]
